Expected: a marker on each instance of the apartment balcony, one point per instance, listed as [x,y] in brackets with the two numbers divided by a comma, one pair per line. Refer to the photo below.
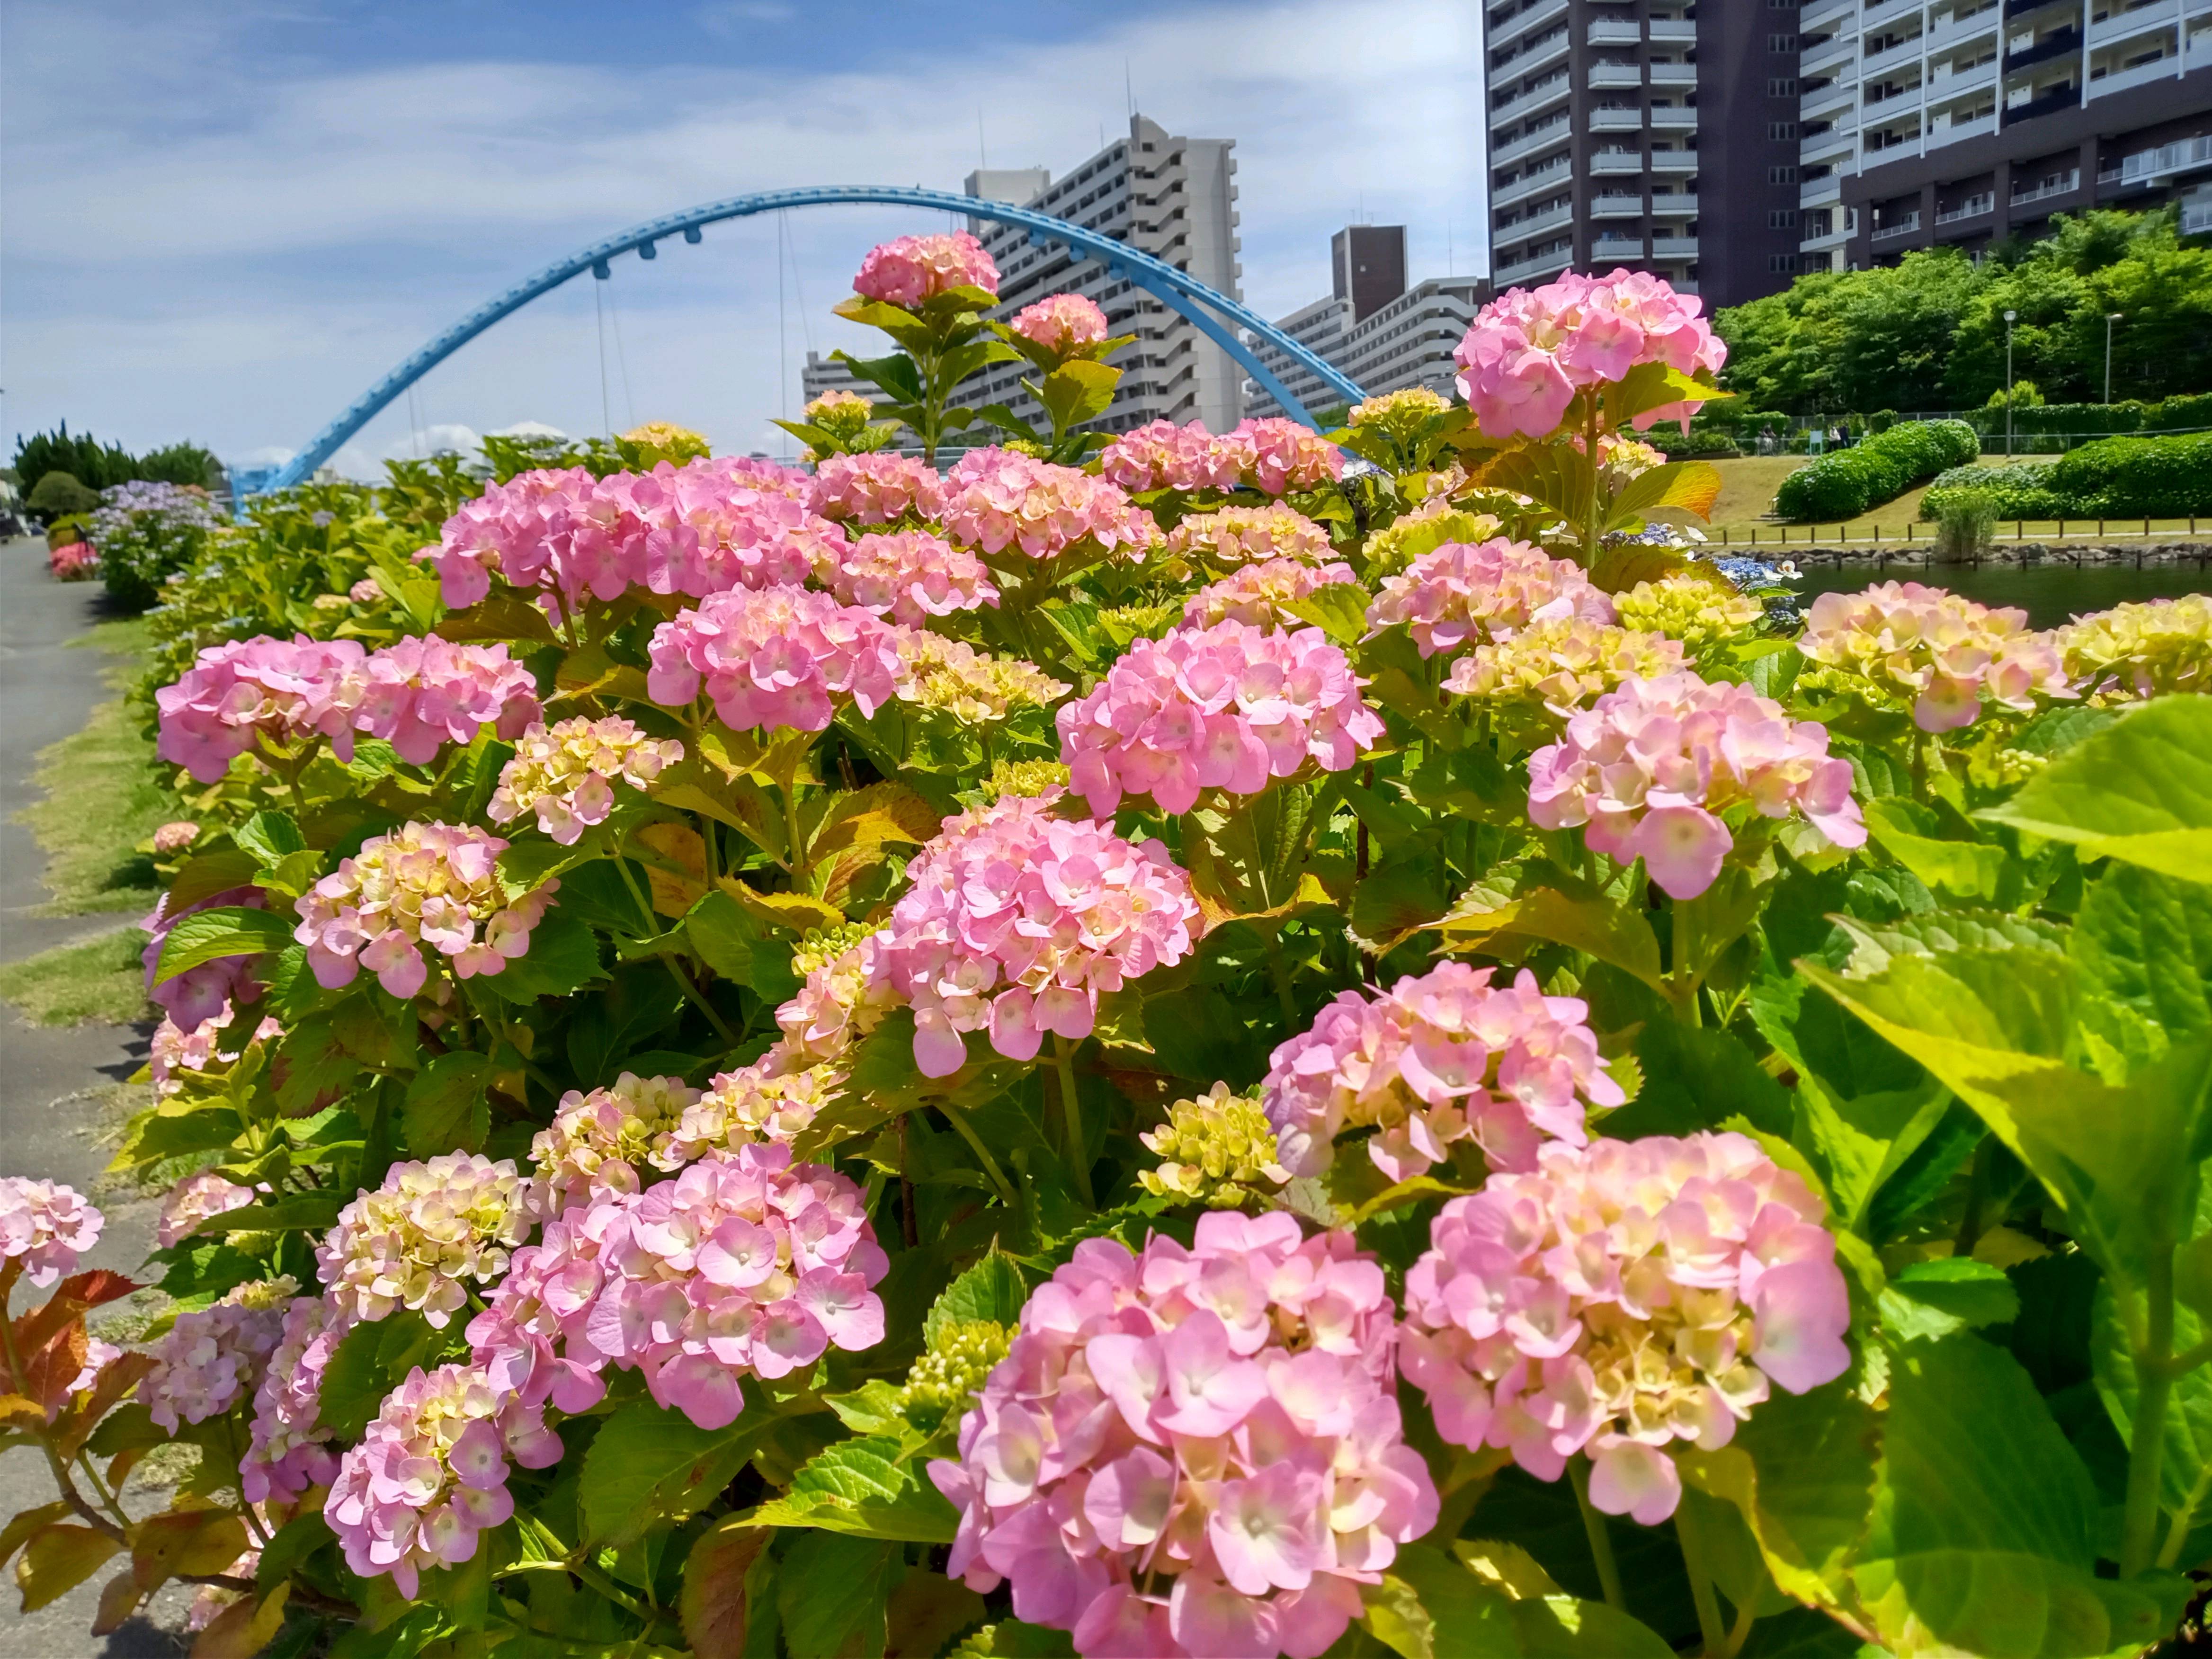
[1619,204]
[2196,218]
[1667,118]
[1536,224]
[1613,32]
[1887,12]
[1819,13]
[1555,132]
[2060,43]
[2151,166]
[1531,98]
[1881,63]
[1954,30]
[1825,240]
[2057,11]
[2068,96]
[1835,55]
[1831,100]
[1672,32]
[1955,130]
[2065,184]
[1609,163]
[1614,77]
[1522,270]
[1547,177]
[1673,75]
[1893,95]
[1681,205]
[1820,193]
[1616,121]
[1904,226]
[1978,206]
[1617,248]
[1673,161]
[1673,247]
[1529,60]
[2119,25]
[1839,146]
[1947,82]
[1525,22]
[2162,68]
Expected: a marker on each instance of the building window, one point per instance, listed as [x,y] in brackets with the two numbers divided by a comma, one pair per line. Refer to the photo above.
[1782,219]
[1782,43]
[1782,175]
[1781,85]
[1782,265]
[1781,129]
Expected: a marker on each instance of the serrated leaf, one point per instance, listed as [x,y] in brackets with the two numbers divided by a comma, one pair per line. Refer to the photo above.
[445,1109]
[861,1487]
[1942,1298]
[831,1592]
[209,935]
[1338,609]
[1610,932]
[2139,791]
[57,1558]
[563,957]
[714,1603]
[648,1466]
[792,913]
[993,1289]
[1934,932]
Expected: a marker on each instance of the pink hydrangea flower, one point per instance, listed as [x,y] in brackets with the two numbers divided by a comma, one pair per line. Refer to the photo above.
[555,530]
[1227,708]
[422,694]
[1442,1057]
[1530,350]
[1648,768]
[1618,1299]
[746,1264]
[424,1235]
[1460,594]
[175,836]
[1161,455]
[1193,1452]
[999,498]
[1257,595]
[1061,323]
[199,994]
[706,529]
[173,1051]
[44,1228]
[367,590]
[430,1474]
[909,271]
[1245,535]
[213,1357]
[240,695]
[773,1099]
[1944,655]
[597,1141]
[1016,920]
[910,576]
[881,487]
[1565,661]
[775,659]
[567,774]
[424,884]
[194,1200]
[1274,455]
[289,1450]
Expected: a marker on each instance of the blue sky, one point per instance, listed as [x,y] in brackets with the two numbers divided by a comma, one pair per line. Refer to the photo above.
[223,221]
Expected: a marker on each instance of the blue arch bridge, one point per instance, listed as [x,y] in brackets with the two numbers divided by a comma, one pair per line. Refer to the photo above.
[1220,317]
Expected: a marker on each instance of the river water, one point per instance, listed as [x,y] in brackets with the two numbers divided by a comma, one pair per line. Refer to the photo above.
[2049,593]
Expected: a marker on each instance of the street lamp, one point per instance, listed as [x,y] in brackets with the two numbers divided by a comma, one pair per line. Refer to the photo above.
[2111,317]
[2009,317]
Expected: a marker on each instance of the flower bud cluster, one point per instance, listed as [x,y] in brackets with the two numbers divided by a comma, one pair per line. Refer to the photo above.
[1942,654]
[290,1450]
[195,1199]
[598,1141]
[775,659]
[1061,323]
[746,1264]
[1251,535]
[1395,546]
[1702,612]
[669,440]
[910,574]
[424,1235]
[1529,352]
[2147,649]
[881,487]
[1399,414]
[1219,1149]
[422,694]
[1562,662]
[173,1051]
[424,884]
[1228,706]
[1438,1058]
[213,1357]
[908,271]
[430,1474]
[935,672]
[1648,769]
[996,498]
[566,774]
[838,411]
[247,691]
[1016,920]
[1027,779]
[946,1380]
[1619,1299]
[1193,1451]
[44,1228]
[1459,594]
[1257,595]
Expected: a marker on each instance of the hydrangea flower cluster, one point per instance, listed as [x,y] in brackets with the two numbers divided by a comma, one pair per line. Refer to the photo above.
[947,1378]
[200,992]
[1257,594]
[706,528]
[196,1198]
[1563,662]
[175,835]
[1440,1057]
[910,574]
[1225,708]
[676,443]
[547,527]
[837,406]
[935,672]
[430,1474]
[1529,352]
[44,1228]
[1701,612]
[1219,1148]
[1193,1452]
[289,1450]
[424,884]
[173,1051]
[1391,548]
[1251,535]
[422,694]
[176,506]
[566,775]
[1161,455]
[424,1235]
[1274,455]
[881,487]
[597,1141]
[213,1357]
[2147,650]
[245,692]
[1621,1298]
[1061,323]
[73,561]
[909,271]
[773,1099]
[1647,770]
[775,659]
[1017,919]
[999,498]
[1944,654]
[1395,411]
[1459,594]
[745,1264]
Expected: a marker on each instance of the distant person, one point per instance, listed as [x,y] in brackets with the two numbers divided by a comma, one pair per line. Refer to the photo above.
[1768,443]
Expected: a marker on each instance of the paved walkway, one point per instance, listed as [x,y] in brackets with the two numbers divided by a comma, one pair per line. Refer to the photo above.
[46,688]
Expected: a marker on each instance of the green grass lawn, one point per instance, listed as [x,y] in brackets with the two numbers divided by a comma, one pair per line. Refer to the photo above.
[96,979]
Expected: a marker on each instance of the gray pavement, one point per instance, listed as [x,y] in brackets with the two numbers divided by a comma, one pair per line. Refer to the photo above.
[46,688]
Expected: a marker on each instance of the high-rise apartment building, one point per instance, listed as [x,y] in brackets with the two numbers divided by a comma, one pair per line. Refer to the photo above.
[1383,334]
[1646,133]
[1962,122]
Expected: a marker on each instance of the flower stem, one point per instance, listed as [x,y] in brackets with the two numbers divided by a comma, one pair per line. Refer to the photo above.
[1063,1057]
[1689,1533]
[692,992]
[958,1119]
[2147,1437]
[1609,1569]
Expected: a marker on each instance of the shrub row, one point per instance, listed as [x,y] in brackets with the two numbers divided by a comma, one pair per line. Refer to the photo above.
[2131,415]
[1877,470]
[2111,478]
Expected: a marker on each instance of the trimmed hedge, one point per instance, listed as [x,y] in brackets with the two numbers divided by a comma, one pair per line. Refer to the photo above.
[2023,491]
[1879,469]
[2111,478]
[2129,415]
